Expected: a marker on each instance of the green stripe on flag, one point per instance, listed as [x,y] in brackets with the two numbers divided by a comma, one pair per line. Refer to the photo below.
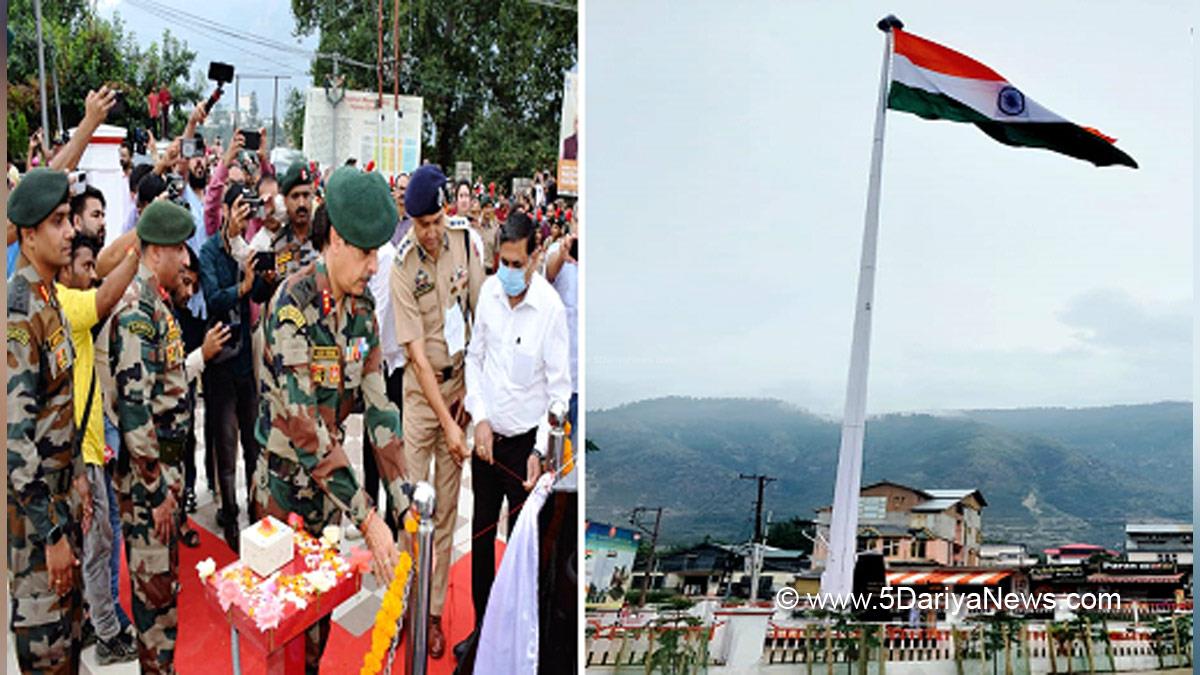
[1062,137]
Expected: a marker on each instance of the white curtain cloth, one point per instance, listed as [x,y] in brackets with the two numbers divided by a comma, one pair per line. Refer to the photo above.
[508,641]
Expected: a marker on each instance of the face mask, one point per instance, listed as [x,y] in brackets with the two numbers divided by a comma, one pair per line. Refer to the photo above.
[513,280]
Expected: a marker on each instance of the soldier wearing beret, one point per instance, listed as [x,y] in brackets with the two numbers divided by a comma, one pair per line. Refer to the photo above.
[435,285]
[146,354]
[292,242]
[44,457]
[321,361]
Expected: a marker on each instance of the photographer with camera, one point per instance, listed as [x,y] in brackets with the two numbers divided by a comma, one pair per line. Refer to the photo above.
[230,282]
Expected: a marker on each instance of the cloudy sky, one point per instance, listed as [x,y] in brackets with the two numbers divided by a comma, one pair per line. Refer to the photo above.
[728,152]
[271,20]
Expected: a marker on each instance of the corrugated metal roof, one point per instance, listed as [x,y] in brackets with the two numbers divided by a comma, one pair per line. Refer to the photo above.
[936,505]
[1158,528]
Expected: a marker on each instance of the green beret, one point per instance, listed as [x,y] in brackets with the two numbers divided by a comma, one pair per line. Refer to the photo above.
[360,207]
[297,174]
[37,195]
[165,223]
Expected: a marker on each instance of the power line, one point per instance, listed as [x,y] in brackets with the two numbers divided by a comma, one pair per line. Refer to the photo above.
[208,24]
[202,32]
[237,34]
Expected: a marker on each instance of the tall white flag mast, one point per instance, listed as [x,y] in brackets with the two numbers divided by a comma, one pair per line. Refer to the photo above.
[838,577]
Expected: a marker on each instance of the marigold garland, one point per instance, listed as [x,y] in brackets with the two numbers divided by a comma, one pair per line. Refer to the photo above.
[387,620]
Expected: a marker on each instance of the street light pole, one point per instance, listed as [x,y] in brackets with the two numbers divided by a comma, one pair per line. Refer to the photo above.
[37,9]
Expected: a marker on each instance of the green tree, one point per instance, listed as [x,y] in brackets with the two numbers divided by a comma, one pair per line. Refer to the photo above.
[293,120]
[490,73]
[87,51]
[793,534]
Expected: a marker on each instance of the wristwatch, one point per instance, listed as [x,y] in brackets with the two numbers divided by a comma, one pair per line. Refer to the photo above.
[55,534]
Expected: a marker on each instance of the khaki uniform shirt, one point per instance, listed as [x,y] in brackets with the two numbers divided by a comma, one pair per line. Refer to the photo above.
[423,289]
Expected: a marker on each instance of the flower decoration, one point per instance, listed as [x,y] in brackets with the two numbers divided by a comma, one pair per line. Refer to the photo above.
[228,594]
[387,620]
[206,568]
[268,612]
[331,536]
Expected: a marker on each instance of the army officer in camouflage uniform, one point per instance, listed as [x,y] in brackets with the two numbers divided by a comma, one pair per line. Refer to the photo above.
[45,587]
[322,358]
[292,243]
[147,358]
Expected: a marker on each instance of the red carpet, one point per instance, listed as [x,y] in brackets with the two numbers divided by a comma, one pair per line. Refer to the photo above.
[202,645]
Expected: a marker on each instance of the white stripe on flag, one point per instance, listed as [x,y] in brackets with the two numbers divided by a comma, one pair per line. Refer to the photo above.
[980,95]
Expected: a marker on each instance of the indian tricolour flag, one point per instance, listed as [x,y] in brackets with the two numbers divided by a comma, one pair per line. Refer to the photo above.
[939,83]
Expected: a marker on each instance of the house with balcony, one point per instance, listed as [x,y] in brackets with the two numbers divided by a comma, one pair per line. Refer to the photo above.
[911,526]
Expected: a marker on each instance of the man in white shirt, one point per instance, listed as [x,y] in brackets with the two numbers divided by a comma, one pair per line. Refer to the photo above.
[518,361]
[393,366]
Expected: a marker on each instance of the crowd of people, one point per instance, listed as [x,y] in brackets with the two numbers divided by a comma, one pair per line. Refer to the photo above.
[279,304]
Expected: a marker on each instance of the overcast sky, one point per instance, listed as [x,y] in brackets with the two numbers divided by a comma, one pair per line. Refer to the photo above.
[271,19]
[728,151]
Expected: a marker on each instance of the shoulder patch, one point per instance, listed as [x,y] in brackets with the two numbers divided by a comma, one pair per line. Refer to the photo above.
[18,334]
[18,294]
[291,313]
[141,328]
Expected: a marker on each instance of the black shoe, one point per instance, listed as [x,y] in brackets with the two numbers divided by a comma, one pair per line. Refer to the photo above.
[232,538]
[226,520]
[89,634]
[116,650]
[189,501]
[190,538]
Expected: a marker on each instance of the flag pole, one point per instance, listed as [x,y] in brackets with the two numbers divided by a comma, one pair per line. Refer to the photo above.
[838,577]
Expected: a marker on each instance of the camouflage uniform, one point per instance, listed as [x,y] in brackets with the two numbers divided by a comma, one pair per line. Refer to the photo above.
[317,367]
[291,254]
[43,458]
[147,358]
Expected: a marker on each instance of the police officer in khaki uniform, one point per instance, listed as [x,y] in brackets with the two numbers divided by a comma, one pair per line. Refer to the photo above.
[44,459]
[435,288]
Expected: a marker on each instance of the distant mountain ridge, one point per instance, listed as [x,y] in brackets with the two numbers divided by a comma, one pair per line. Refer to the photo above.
[1050,475]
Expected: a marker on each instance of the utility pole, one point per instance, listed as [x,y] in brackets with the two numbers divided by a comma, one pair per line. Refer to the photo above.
[62,131]
[274,104]
[658,511]
[759,533]
[37,8]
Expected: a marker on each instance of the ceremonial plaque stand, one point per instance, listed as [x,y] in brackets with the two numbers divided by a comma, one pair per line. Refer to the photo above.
[284,644]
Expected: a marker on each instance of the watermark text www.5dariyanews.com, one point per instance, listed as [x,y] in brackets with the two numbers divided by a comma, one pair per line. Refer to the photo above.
[902,598]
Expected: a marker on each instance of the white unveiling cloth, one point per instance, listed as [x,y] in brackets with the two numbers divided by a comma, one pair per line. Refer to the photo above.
[508,641]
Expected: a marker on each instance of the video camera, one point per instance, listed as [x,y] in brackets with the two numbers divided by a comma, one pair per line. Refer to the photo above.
[222,74]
